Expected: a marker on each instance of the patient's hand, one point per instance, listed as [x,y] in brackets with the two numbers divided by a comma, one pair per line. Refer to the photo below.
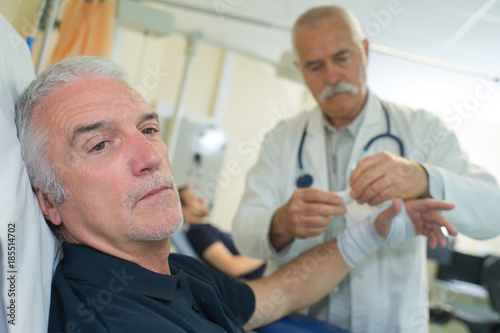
[424,213]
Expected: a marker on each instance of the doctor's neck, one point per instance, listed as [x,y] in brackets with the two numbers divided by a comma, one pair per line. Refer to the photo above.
[340,117]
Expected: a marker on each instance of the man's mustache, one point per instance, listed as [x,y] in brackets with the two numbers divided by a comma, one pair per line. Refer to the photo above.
[137,192]
[337,88]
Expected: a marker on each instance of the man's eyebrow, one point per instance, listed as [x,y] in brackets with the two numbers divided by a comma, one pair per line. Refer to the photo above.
[341,52]
[312,63]
[148,116]
[88,128]
[103,124]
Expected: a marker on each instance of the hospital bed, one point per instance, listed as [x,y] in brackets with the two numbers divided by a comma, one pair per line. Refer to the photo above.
[29,249]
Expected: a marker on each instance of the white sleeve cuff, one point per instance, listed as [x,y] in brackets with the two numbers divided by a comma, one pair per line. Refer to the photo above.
[436,183]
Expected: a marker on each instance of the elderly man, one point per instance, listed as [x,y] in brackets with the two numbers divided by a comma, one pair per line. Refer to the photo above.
[102,178]
[379,151]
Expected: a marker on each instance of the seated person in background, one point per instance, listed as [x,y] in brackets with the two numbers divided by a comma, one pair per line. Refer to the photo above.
[211,244]
[101,175]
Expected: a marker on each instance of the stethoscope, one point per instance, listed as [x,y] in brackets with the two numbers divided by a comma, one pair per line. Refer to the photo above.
[306,180]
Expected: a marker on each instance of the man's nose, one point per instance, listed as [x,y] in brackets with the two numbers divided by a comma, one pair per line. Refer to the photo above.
[144,156]
[332,73]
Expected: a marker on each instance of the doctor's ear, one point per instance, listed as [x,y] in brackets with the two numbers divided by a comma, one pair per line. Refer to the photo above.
[48,207]
[366,49]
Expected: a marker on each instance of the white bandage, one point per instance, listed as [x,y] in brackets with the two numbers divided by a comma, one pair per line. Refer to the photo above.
[355,212]
[402,228]
[346,196]
[361,239]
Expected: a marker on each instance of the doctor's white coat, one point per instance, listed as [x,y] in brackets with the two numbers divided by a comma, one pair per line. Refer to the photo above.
[389,288]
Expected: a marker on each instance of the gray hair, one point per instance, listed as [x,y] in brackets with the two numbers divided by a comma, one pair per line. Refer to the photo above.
[35,138]
[315,16]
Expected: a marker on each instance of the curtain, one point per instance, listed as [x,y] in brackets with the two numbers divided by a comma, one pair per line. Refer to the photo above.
[86,29]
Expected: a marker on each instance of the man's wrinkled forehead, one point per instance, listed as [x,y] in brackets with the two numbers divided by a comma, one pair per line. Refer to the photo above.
[121,96]
[87,94]
[88,101]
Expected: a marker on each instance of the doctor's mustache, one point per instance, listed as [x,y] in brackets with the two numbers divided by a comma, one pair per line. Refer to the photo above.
[337,88]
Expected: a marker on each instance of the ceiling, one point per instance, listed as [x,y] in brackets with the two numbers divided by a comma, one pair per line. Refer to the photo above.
[460,32]
[464,32]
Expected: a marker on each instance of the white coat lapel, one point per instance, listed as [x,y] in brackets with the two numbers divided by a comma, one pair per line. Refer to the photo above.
[314,153]
[372,125]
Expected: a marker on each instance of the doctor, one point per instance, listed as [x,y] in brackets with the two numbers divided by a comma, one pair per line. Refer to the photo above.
[379,150]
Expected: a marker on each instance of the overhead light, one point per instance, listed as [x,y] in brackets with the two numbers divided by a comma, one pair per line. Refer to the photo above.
[211,140]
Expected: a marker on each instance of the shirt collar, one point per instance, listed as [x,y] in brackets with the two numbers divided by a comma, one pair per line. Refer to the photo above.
[81,262]
[352,128]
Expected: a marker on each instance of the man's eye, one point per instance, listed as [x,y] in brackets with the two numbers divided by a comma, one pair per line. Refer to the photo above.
[314,68]
[344,60]
[100,146]
[150,130]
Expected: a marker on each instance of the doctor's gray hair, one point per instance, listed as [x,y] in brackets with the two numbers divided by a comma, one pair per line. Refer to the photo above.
[35,138]
[315,16]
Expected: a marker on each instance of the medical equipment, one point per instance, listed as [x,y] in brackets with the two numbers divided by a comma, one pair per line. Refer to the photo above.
[200,155]
[306,180]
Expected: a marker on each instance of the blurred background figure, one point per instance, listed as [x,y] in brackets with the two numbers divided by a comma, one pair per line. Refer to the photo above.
[211,244]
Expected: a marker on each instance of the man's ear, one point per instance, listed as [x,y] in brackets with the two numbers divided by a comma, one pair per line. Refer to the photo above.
[366,48]
[48,208]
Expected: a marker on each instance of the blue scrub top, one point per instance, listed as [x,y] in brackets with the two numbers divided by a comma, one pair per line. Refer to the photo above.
[201,236]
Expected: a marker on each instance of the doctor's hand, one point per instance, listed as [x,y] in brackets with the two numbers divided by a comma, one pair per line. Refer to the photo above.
[385,176]
[424,213]
[306,214]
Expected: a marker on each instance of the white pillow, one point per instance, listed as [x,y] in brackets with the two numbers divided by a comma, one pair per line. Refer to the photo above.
[22,226]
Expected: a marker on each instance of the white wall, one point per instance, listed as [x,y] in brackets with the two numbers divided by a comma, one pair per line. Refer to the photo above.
[22,14]
[480,138]
[257,99]
[155,66]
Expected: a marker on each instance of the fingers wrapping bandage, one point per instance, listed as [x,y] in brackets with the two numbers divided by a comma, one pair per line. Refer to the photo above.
[361,239]
[346,196]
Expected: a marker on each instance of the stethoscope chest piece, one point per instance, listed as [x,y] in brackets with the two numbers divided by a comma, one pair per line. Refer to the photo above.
[305,180]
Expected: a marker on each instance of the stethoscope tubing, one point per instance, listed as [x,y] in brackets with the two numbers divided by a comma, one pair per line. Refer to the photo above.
[306,180]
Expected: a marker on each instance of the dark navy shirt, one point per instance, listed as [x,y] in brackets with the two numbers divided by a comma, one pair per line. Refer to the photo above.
[95,292]
[201,236]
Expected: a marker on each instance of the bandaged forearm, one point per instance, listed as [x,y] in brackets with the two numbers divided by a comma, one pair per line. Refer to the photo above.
[361,238]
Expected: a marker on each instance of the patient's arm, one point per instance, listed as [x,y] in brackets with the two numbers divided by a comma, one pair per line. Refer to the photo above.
[219,257]
[309,277]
